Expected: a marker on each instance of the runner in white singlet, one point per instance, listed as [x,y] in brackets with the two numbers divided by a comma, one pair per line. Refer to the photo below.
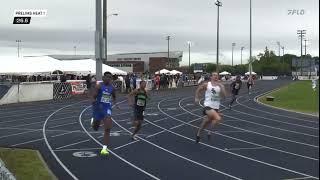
[214,91]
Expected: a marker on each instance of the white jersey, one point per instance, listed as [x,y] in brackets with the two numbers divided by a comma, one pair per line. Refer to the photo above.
[212,96]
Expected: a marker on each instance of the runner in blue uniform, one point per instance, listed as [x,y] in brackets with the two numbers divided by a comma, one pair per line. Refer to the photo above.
[103,97]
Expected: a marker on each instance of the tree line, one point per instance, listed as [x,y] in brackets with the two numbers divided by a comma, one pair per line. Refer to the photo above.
[266,63]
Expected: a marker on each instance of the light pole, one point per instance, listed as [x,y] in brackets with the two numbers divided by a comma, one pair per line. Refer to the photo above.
[218,4]
[98,40]
[233,45]
[189,47]
[301,34]
[106,39]
[279,47]
[75,50]
[168,39]
[241,53]
[282,59]
[250,57]
[305,55]
[18,43]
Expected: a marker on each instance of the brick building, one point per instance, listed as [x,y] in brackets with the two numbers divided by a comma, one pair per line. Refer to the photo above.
[136,62]
[143,62]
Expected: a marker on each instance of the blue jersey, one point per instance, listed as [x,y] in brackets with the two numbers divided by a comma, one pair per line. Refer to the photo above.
[105,95]
[103,106]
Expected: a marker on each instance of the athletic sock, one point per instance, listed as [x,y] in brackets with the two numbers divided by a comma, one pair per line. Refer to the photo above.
[104,147]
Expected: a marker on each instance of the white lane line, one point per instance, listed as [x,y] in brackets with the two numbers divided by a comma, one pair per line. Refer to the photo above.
[124,120]
[38,122]
[235,139]
[127,144]
[30,129]
[27,142]
[15,110]
[174,127]
[280,129]
[33,117]
[58,135]
[81,149]
[34,112]
[49,146]
[228,152]
[35,140]
[124,160]
[299,178]
[178,155]
[241,140]
[236,149]
[16,134]
[270,119]
[51,127]
[176,115]
[267,135]
[68,145]
[255,132]
[160,132]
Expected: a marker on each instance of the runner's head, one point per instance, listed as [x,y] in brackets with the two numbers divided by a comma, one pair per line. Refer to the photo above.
[143,84]
[238,78]
[107,77]
[214,76]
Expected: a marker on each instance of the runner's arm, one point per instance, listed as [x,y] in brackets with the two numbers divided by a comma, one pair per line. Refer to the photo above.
[114,97]
[95,93]
[131,95]
[200,90]
[232,85]
[223,91]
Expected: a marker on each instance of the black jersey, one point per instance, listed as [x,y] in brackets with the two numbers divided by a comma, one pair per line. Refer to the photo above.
[141,99]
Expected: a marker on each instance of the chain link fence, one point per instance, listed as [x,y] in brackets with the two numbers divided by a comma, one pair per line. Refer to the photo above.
[5,174]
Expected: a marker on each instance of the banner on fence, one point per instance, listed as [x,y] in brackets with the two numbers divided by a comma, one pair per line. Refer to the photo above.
[61,91]
[78,86]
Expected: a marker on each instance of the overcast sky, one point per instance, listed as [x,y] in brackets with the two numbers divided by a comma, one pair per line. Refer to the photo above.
[143,24]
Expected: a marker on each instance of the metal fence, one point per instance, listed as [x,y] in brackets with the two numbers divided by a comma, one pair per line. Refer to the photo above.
[5,174]
[61,91]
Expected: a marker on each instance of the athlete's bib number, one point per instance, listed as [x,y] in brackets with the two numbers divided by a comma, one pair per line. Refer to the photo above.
[141,102]
[215,97]
[237,86]
[106,99]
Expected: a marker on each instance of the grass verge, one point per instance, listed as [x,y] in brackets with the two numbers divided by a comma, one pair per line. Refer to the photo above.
[297,96]
[25,164]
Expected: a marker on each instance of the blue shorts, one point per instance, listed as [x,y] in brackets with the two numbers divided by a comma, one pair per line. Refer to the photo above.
[101,111]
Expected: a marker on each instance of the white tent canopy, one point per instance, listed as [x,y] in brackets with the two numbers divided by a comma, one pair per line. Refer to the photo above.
[163,71]
[87,66]
[29,65]
[175,72]
[47,65]
[248,73]
[224,73]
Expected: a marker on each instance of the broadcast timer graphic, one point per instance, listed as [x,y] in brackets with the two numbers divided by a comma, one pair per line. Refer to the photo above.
[24,16]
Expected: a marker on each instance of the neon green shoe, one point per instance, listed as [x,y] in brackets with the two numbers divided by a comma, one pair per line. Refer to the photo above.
[104,152]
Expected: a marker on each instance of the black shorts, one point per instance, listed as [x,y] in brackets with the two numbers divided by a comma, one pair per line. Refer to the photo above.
[249,85]
[138,114]
[235,92]
[205,109]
